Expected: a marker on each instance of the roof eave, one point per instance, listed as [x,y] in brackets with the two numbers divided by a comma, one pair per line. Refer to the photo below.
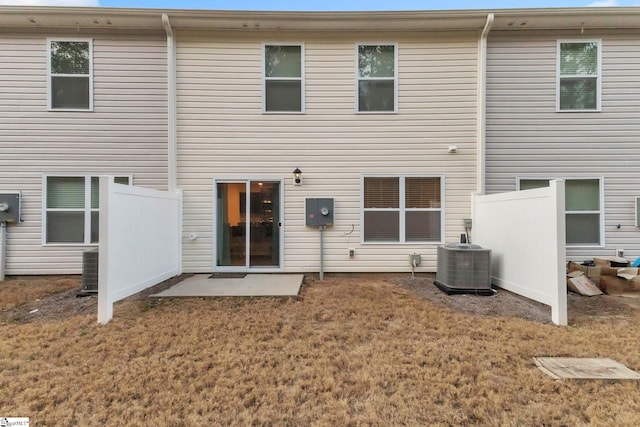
[118,19]
[38,17]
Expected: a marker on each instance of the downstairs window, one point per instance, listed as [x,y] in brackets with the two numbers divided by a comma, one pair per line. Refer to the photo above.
[402,209]
[72,208]
[583,209]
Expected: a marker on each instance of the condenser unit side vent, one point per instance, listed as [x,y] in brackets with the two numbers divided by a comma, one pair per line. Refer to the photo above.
[464,268]
[90,271]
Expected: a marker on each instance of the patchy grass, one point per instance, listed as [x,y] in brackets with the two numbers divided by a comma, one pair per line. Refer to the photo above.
[18,290]
[347,352]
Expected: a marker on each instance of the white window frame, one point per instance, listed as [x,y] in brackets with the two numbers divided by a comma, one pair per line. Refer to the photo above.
[601,203]
[395,77]
[87,209]
[402,210]
[50,75]
[301,78]
[598,76]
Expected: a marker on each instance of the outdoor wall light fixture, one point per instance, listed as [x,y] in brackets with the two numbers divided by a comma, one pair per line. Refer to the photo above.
[297,177]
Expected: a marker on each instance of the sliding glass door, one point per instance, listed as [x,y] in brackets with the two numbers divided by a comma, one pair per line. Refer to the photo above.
[248,224]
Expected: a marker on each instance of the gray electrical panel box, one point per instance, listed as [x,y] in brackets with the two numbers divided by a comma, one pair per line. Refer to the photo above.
[319,212]
[10,207]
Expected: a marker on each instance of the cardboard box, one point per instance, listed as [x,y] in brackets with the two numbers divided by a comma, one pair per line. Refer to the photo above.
[613,285]
[619,281]
[590,272]
[628,273]
[612,261]
[607,270]
[580,284]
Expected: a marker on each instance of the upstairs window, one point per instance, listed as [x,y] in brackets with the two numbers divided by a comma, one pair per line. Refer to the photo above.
[402,209]
[70,75]
[72,208]
[283,79]
[578,76]
[377,82]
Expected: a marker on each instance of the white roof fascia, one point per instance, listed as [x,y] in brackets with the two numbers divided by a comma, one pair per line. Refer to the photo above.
[43,17]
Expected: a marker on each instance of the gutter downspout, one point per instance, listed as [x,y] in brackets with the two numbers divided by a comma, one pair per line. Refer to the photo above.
[172,128]
[482,104]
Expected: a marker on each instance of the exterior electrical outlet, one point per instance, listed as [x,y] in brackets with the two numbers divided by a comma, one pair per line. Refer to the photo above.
[415,259]
[352,253]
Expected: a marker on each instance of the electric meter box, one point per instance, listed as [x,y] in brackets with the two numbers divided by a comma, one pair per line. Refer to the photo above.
[10,207]
[319,212]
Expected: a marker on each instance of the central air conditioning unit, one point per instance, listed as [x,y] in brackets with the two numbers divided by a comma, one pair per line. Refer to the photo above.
[90,271]
[464,269]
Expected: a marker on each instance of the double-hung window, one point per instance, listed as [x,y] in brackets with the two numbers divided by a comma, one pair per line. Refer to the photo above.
[283,78]
[377,78]
[579,80]
[70,74]
[72,208]
[402,209]
[583,209]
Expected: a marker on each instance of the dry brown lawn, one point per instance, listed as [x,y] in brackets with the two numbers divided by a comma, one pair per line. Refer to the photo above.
[364,351]
[16,291]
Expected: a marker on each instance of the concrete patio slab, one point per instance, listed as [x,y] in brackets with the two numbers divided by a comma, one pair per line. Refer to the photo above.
[252,285]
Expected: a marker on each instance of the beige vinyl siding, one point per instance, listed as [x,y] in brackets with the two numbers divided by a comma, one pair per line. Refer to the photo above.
[124,135]
[223,134]
[526,137]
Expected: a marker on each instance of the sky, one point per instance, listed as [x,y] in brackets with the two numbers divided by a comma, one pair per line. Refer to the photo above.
[326,5]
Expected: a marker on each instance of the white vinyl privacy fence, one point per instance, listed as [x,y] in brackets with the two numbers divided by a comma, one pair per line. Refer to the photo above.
[140,243]
[525,231]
